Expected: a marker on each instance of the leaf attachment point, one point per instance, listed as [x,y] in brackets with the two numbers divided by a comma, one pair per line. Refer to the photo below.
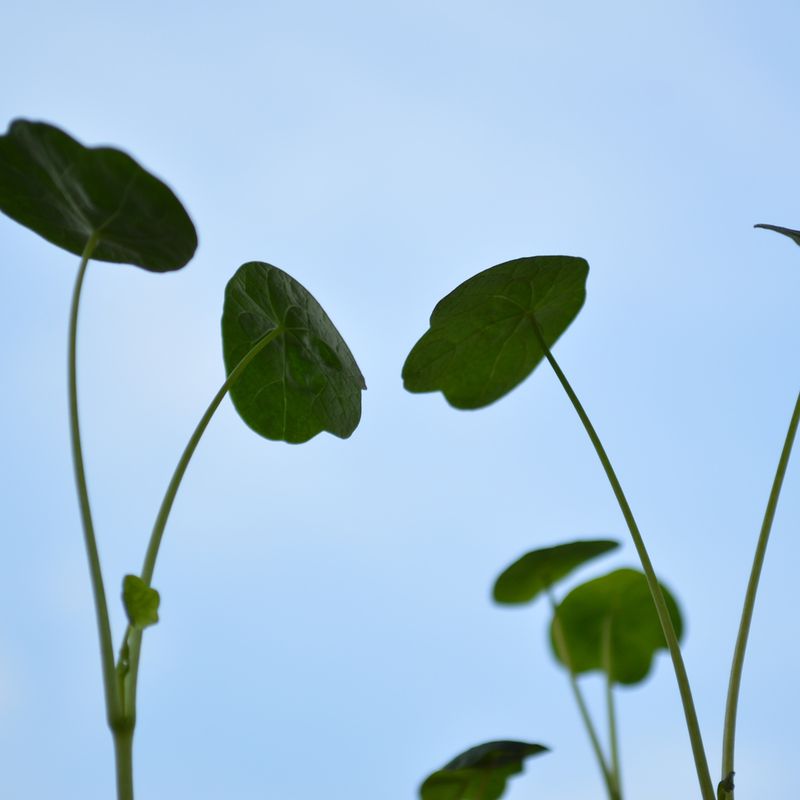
[141,602]
[480,773]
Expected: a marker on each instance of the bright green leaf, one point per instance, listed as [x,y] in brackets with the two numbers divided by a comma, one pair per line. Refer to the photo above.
[140,601]
[305,380]
[479,773]
[622,601]
[483,337]
[792,234]
[534,572]
[67,193]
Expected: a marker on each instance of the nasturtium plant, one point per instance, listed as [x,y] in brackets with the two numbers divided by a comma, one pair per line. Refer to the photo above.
[480,773]
[71,194]
[289,371]
[489,333]
[141,602]
[610,625]
[304,380]
[792,234]
[536,571]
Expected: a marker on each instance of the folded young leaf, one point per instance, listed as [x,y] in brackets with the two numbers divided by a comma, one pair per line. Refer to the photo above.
[480,773]
[68,193]
[141,602]
[483,337]
[305,380]
[792,234]
[534,572]
[620,600]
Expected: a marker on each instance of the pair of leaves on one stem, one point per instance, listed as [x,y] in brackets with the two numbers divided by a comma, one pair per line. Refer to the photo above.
[100,203]
[617,605]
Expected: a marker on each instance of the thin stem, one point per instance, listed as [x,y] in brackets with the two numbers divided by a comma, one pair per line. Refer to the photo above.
[734,684]
[113,706]
[693,727]
[123,752]
[563,650]
[131,648]
[612,716]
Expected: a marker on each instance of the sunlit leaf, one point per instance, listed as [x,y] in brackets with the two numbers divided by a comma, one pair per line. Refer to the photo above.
[479,773]
[141,602]
[67,193]
[792,234]
[534,572]
[622,601]
[483,339]
[305,380]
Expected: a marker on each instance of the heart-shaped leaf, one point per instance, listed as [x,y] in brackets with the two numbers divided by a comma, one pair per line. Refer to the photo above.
[534,572]
[484,336]
[792,234]
[479,773]
[618,606]
[68,193]
[141,602]
[302,382]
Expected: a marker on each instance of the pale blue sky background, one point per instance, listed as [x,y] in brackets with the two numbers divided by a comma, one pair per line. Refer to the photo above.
[326,625]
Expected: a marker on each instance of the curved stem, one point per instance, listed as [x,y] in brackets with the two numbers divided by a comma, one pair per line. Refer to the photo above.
[692,725]
[734,684]
[131,648]
[563,650]
[113,706]
[612,717]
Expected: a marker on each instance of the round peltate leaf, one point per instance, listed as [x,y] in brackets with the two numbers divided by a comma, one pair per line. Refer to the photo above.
[479,773]
[792,234]
[483,340]
[534,572]
[618,605]
[303,381]
[68,193]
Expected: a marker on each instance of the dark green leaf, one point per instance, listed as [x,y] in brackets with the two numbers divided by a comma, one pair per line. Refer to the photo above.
[140,601]
[67,193]
[479,773]
[534,572]
[305,380]
[622,601]
[482,340]
[792,234]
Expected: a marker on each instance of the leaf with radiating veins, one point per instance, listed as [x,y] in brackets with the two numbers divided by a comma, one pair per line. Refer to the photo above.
[68,193]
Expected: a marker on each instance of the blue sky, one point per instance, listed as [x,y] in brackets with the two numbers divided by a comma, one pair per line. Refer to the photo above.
[326,624]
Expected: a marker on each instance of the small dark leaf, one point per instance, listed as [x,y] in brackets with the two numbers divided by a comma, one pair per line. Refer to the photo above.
[482,340]
[622,600]
[66,193]
[305,380]
[479,773]
[140,601]
[534,572]
[792,234]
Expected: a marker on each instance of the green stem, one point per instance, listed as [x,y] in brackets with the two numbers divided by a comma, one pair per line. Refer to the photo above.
[133,638]
[692,725]
[123,752]
[734,684]
[612,716]
[563,650]
[113,705]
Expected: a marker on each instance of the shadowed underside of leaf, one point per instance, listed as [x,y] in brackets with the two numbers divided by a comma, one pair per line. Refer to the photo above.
[622,601]
[482,341]
[792,234]
[534,572]
[305,380]
[479,773]
[68,193]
